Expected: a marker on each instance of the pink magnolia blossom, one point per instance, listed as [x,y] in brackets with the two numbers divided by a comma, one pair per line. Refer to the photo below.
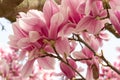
[69,73]
[73,14]
[92,65]
[114,4]
[92,22]
[34,31]
[42,36]
[103,36]
[49,9]
[118,49]
[115,20]
[86,53]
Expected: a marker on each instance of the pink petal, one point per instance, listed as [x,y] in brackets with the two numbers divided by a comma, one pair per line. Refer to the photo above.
[62,46]
[22,55]
[73,4]
[87,52]
[94,44]
[118,49]
[114,4]
[64,10]
[79,55]
[12,41]
[34,20]
[56,20]
[27,68]
[68,29]
[4,67]
[104,36]
[89,75]
[95,26]
[23,42]
[81,8]
[18,31]
[67,70]
[46,63]
[88,6]
[22,14]
[91,24]
[34,36]
[96,7]
[82,24]
[115,21]
[50,8]
[73,45]
[35,13]
[28,24]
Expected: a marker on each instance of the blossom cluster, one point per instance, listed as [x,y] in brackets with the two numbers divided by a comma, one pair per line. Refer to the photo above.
[107,73]
[53,34]
[11,68]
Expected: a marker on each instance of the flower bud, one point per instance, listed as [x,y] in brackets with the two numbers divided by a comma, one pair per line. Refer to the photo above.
[95,71]
[67,70]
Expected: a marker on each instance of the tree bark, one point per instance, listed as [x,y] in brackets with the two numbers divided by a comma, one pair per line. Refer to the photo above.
[10,8]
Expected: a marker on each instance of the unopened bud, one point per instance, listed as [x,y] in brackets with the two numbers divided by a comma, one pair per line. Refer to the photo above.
[95,71]
[67,70]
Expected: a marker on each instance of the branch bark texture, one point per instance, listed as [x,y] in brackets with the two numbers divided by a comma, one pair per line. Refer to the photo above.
[10,8]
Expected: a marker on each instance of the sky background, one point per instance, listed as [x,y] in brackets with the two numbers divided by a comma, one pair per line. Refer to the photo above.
[109,48]
[5,33]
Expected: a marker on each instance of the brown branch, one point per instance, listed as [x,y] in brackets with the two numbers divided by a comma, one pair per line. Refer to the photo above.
[57,56]
[80,59]
[66,62]
[102,57]
[110,28]
[80,40]
[7,7]
[109,64]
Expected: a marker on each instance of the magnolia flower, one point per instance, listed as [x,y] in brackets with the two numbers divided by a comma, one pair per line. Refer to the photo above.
[114,4]
[79,21]
[42,36]
[115,19]
[37,32]
[73,14]
[91,22]
[86,53]
[67,70]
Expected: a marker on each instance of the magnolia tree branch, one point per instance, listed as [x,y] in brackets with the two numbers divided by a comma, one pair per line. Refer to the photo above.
[110,28]
[102,57]
[109,64]
[57,56]
[80,59]
[66,62]
[10,8]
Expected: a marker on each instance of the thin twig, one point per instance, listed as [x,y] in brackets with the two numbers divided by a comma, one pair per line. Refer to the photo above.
[59,58]
[66,62]
[110,28]
[74,70]
[109,64]
[79,39]
[102,57]
[80,59]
